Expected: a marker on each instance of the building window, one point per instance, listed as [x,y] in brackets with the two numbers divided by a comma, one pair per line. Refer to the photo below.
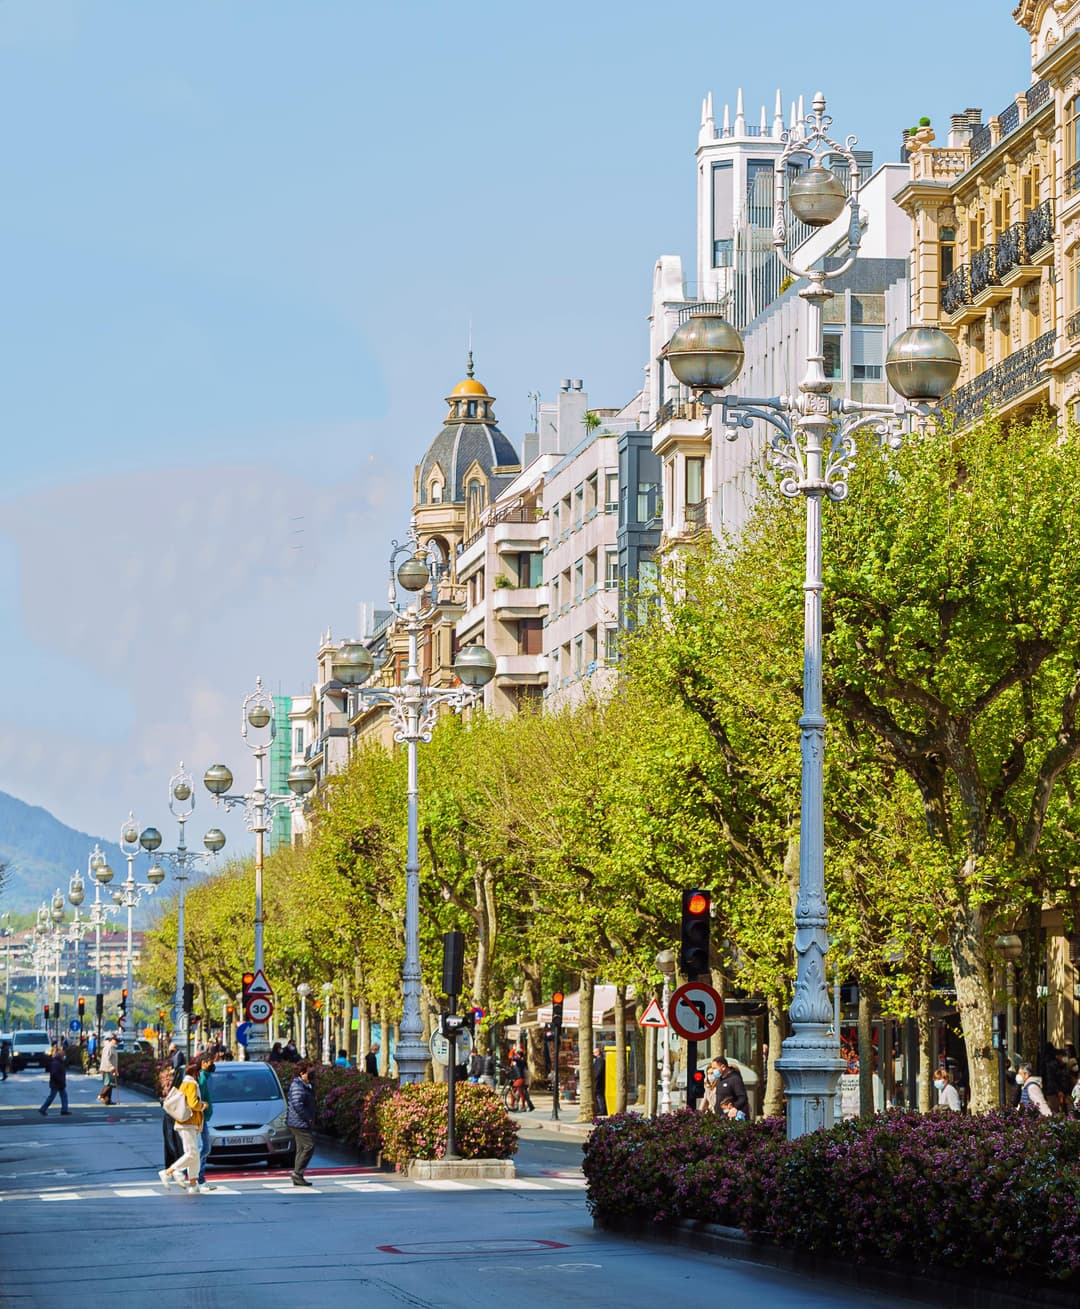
[1072,139]
[759,192]
[298,741]
[436,493]
[833,349]
[611,570]
[579,504]
[695,480]
[471,409]
[579,656]
[611,492]
[590,493]
[530,568]
[611,645]
[946,253]
[579,581]
[867,353]
[531,636]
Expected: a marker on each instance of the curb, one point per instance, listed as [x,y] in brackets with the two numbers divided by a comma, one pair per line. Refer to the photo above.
[947,1288]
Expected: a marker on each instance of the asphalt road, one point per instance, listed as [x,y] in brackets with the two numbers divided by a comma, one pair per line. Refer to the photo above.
[84,1221]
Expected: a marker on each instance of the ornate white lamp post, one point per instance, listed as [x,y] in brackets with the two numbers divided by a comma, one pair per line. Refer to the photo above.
[665,961]
[182,861]
[303,991]
[813,450]
[259,805]
[129,896]
[414,709]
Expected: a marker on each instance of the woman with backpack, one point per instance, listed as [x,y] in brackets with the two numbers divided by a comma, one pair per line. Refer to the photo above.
[185,1097]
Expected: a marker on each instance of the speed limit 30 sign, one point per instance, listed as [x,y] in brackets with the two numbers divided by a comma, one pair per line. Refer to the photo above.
[260,1008]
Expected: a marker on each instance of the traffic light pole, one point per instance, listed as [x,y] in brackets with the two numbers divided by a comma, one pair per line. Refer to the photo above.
[556,1037]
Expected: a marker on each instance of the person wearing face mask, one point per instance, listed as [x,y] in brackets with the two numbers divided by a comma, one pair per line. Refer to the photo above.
[948,1095]
[712,1086]
[1031,1091]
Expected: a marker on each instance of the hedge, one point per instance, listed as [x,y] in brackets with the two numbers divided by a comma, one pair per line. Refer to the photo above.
[931,1191]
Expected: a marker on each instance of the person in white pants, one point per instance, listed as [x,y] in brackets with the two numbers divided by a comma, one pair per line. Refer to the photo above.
[187,1166]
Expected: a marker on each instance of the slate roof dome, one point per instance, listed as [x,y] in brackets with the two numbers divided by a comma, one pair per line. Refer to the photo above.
[469,436]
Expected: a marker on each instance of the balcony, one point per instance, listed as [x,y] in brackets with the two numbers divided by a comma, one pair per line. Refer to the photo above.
[519,601]
[695,517]
[998,387]
[527,668]
[1039,233]
[1009,120]
[984,275]
[956,293]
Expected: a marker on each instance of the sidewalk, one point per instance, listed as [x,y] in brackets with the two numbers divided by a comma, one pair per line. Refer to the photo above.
[567,1123]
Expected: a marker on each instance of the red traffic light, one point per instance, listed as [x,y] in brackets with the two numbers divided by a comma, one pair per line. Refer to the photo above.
[557,997]
[697,904]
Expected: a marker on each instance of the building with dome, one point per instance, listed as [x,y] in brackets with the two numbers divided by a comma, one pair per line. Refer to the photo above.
[466,467]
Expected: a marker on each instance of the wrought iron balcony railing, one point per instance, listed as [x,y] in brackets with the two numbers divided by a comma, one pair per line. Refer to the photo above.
[957,290]
[1037,96]
[1010,250]
[1018,373]
[1072,325]
[1038,229]
[983,269]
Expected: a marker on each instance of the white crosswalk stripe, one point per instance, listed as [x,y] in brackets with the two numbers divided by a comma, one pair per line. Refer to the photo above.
[324,1186]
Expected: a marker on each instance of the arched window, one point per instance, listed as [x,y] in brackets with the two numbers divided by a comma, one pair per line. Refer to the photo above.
[436,493]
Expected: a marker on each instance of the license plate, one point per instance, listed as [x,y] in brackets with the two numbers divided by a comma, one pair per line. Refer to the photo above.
[241,1140]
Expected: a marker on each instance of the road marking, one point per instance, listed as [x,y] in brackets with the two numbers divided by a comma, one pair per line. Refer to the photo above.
[516,1184]
[444,1184]
[569,1181]
[139,1194]
[358,1188]
[62,1195]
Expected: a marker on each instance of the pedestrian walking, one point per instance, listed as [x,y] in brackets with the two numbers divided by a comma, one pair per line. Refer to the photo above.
[206,1070]
[730,1082]
[57,1083]
[300,1120]
[171,1146]
[1031,1091]
[476,1067]
[709,1103]
[948,1095]
[107,1068]
[342,1060]
[599,1076]
[371,1061]
[177,1063]
[188,1130]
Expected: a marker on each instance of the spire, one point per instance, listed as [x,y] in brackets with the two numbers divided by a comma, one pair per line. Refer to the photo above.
[702,124]
[793,119]
[707,131]
[764,125]
[708,107]
[727,121]
[778,118]
[740,116]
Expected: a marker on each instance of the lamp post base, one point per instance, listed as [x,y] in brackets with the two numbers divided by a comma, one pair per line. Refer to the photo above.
[412,1058]
[811,1068]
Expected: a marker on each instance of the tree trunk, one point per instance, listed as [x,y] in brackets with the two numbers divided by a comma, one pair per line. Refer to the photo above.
[532,995]
[346,1019]
[363,1035]
[384,1043]
[620,1049]
[926,1071]
[1029,984]
[974,997]
[866,1051]
[586,1104]
[773,1104]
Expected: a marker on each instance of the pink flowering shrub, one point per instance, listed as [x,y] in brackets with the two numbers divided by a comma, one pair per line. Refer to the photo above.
[938,1190]
[412,1123]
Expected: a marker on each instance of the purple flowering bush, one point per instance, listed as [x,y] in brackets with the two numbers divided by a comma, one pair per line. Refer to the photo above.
[937,1190]
[412,1123]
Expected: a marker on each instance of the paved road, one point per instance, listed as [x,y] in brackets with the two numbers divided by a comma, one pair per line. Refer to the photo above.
[83,1221]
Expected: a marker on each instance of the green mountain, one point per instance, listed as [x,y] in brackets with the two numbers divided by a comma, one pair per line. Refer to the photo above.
[41,854]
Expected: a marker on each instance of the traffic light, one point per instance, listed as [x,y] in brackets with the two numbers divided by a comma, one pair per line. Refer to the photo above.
[245,989]
[82,1007]
[229,1011]
[46,1015]
[99,1004]
[123,1001]
[189,997]
[694,956]
[556,1009]
[696,1088]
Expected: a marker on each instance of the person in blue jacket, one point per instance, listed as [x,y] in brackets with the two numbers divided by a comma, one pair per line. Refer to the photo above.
[300,1120]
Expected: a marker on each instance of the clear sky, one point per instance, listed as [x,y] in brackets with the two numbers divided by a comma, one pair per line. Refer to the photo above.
[242,244]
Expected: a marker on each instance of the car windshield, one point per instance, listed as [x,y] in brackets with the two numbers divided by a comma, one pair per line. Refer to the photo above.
[251,1084]
[31,1038]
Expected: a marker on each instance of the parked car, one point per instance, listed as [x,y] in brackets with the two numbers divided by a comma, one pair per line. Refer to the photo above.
[248,1120]
[28,1048]
[134,1045]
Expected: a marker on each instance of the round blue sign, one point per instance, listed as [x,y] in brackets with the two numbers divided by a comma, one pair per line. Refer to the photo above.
[74,1025]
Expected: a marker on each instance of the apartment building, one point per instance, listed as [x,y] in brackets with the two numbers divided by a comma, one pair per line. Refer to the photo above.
[995,230]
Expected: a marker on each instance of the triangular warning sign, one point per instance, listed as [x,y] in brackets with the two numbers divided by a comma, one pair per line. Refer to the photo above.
[653,1015]
[259,985]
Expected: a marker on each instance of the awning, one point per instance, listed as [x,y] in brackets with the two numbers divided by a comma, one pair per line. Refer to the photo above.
[603,1012]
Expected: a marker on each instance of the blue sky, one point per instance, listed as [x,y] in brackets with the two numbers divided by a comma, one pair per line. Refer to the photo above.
[242,245]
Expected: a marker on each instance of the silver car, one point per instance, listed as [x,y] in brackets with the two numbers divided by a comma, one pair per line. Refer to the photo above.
[247,1124]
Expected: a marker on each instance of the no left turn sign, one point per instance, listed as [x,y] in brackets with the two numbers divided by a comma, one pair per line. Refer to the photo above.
[696,1011]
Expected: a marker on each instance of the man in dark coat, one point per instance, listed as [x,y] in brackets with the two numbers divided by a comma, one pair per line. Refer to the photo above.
[57,1067]
[599,1077]
[730,1083]
[300,1120]
[371,1061]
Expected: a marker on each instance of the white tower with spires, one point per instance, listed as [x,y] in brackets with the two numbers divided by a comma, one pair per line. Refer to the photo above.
[736,265]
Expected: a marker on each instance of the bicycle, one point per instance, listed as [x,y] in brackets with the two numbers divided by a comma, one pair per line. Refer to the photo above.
[508,1092]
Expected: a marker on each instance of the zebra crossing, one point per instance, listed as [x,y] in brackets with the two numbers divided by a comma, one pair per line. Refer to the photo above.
[356,1185]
